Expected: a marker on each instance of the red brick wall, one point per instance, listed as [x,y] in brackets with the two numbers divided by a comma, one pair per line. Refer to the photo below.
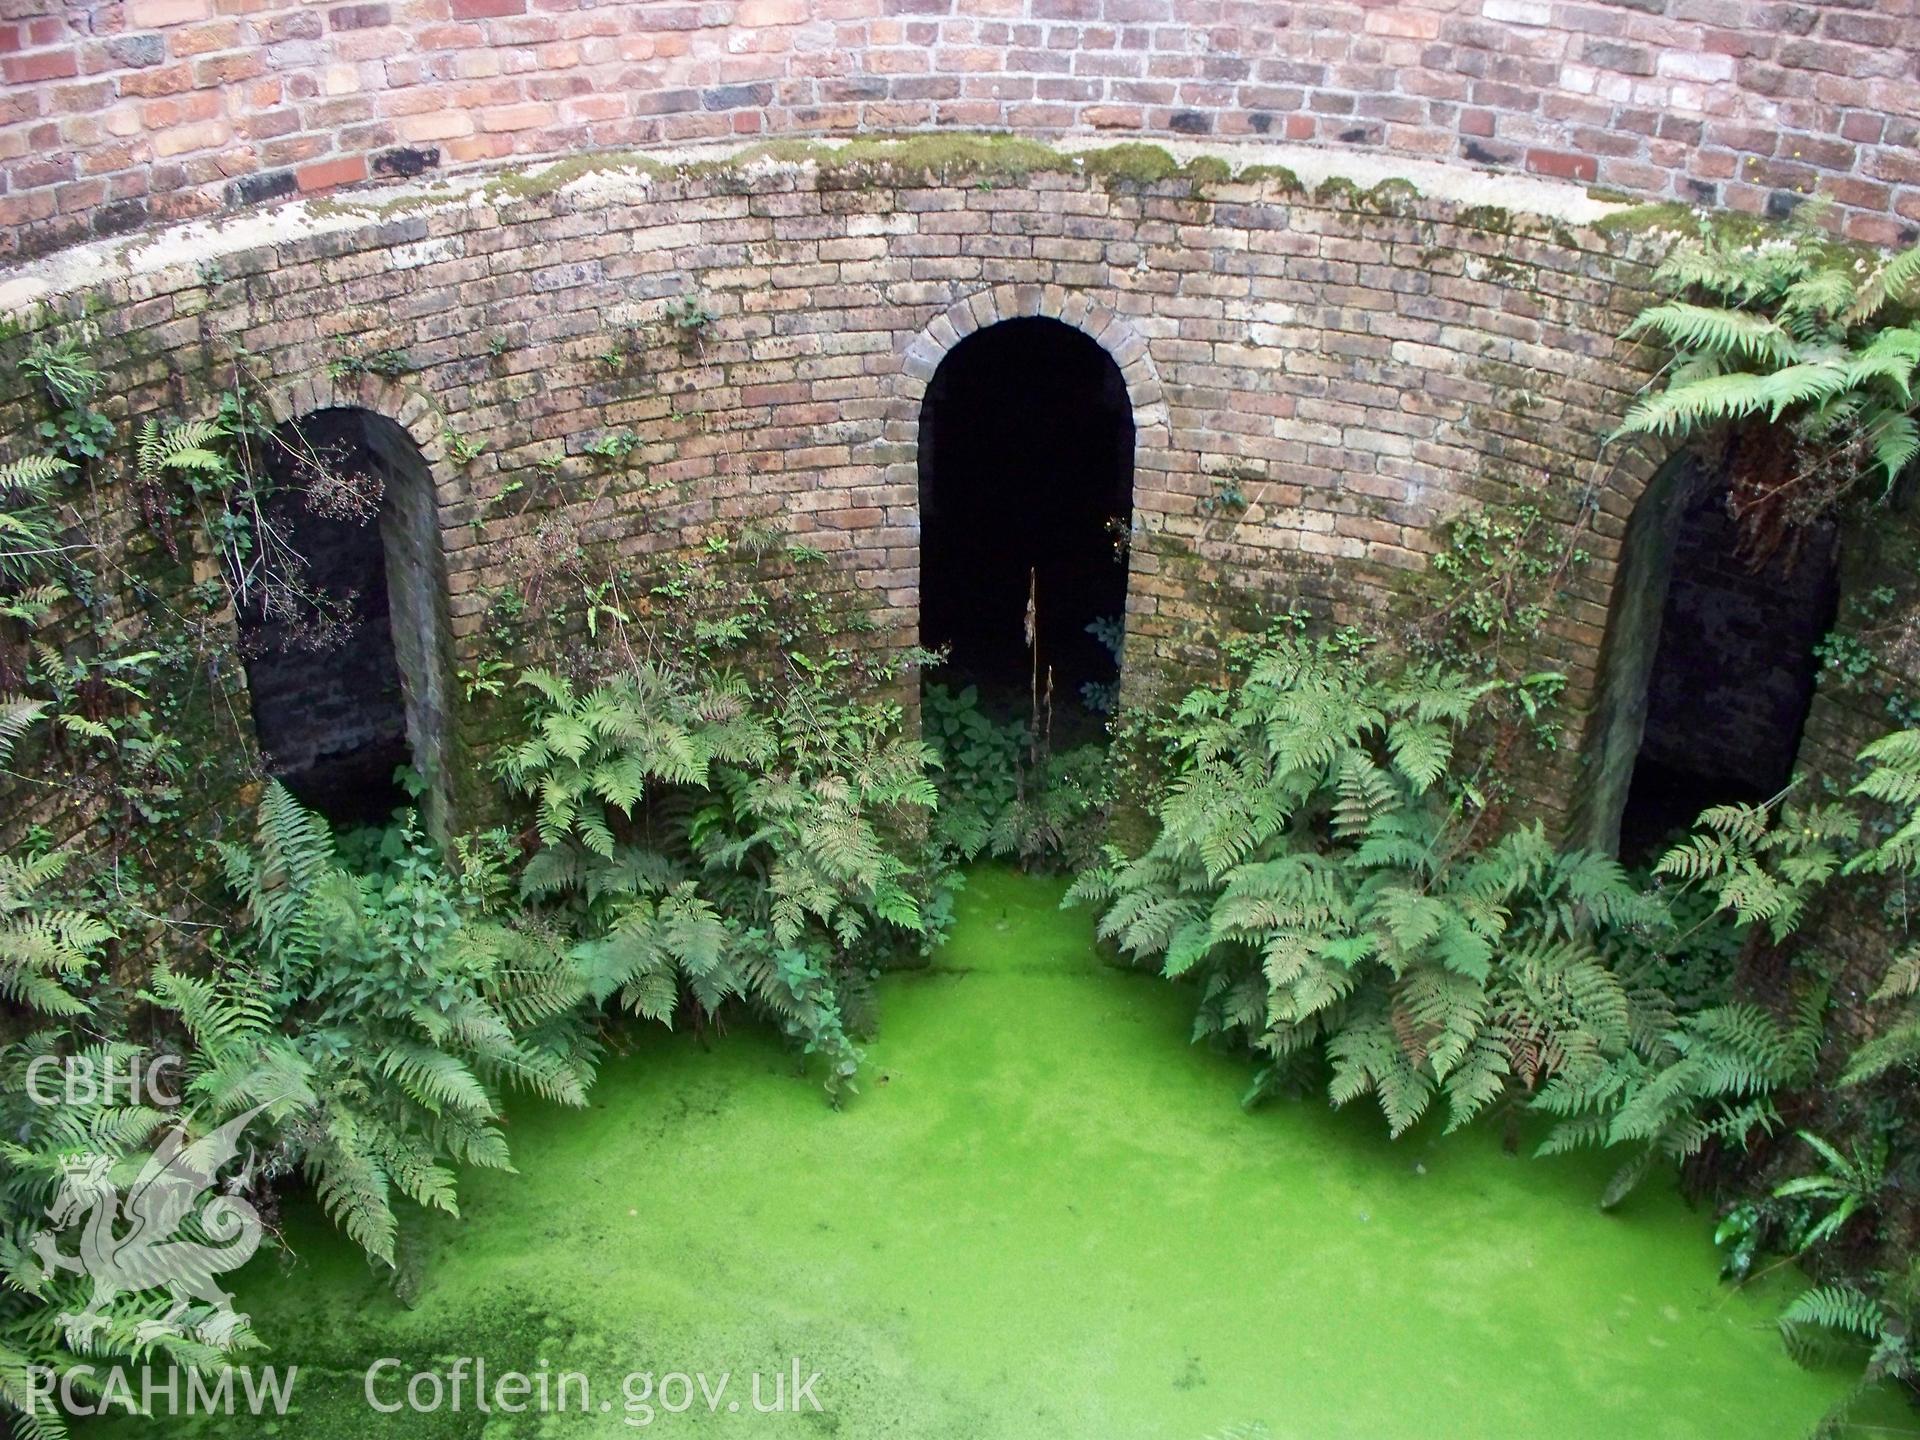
[118,112]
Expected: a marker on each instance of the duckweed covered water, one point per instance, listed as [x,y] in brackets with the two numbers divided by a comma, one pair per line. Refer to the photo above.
[1045,1216]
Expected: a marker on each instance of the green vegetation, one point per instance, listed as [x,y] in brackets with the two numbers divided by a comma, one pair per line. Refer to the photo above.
[387,363]
[1795,354]
[363,1003]
[1025,1226]
[712,823]
[376,1014]
[1793,361]
[688,320]
[710,851]
[694,852]
[1005,793]
[1328,876]
[63,368]
[1329,896]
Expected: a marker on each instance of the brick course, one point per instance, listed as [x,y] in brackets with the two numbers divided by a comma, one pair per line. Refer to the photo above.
[165,109]
[1359,367]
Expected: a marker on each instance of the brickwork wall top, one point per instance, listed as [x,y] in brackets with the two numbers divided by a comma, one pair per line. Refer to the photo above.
[1358,364]
[124,113]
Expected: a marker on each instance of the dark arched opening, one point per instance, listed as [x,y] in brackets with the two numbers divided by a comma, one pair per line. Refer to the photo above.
[343,626]
[1026,496]
[1710,662]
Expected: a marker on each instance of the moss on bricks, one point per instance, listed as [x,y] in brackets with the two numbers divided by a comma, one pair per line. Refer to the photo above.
[1208,170]
[1389,197]
[1134,164]
[938,155]
[534,185]
[1645,219]
[1279,177]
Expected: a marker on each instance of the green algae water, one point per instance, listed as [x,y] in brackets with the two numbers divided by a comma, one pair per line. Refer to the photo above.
[1045,1216]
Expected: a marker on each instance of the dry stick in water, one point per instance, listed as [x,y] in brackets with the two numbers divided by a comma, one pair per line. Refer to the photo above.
[1032,632]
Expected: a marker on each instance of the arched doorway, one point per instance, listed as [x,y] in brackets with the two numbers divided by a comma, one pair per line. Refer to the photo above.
[1709,663]
[344,635]
[1026,497]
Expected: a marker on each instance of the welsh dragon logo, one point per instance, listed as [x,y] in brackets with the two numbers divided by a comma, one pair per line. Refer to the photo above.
[175,1228]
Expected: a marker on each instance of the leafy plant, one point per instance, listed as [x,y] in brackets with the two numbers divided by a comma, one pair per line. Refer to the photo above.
[1705,1078]
[1323,888]
[1103,697]
[1850,1184]
[462,450]
[64,368]
[1893,780]
[1836,1319]
[1742,1234]
[381,1014]
[614,445]
[17,716]
[1800,352]
[30,526]
[689,318]
[714,851]
[484,677]
[1226,498]
[1501,567]
[44,949]
[388,362]
[1761,870]
[996,799]
[49,957]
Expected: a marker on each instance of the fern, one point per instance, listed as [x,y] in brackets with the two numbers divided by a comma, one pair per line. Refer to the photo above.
[48,956]
[1775,339]
[44,948]
[1732,333]
[30,523]
[1892,778]
[1313,874]
[188,445]
[16,718]
[1897,281]
[378,1013]
[1761,871]
[711,849]
[1709,1078]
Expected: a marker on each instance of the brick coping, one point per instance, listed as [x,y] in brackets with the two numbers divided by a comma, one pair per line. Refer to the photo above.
[80,268]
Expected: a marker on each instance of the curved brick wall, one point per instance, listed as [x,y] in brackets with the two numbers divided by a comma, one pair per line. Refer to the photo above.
[128,111]
[1358,365]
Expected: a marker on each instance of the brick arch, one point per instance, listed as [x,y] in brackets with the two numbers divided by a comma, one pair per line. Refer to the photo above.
[411,409]
[1111,331]
[1610,728]
[801,402]
[1641,507]
[1105,327]
[413,540]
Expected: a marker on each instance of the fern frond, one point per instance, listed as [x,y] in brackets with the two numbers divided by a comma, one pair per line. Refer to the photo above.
[1895,282]
[1734,333]
[1825,1315]
[16,718]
